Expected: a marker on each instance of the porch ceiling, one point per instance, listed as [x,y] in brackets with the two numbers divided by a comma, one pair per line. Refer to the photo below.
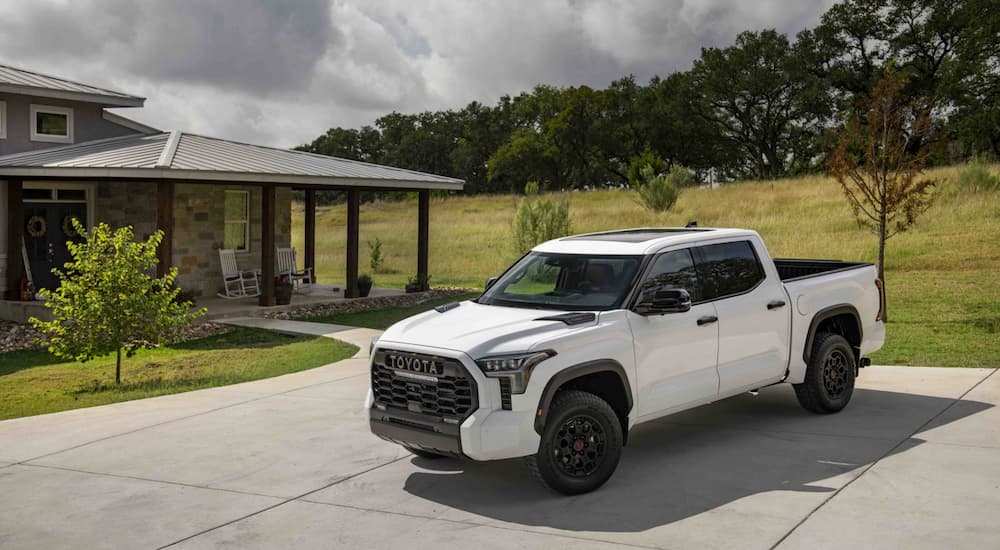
[190,157]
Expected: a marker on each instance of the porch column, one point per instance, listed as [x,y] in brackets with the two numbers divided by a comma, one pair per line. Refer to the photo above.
[310,233]
[165,223]
[423,235]
[267,201]
[353,213]
[15,234]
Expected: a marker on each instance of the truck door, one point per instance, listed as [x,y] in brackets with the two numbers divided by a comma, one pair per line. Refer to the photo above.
[675,352]
[753,314]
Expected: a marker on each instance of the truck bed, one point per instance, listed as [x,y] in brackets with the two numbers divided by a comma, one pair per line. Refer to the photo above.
[793,269]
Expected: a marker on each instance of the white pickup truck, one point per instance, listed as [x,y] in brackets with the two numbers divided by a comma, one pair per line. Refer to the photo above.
[587,336]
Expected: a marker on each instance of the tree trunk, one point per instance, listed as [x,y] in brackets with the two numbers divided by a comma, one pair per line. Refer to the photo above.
[881,260]
[118,368]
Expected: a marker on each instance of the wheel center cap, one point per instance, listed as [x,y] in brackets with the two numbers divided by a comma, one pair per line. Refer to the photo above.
[578,445]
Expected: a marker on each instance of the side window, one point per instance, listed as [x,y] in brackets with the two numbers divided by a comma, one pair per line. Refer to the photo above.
[728,268]
[673,270]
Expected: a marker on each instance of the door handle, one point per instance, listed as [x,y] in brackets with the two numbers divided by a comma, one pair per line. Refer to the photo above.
[775,304]
[707,320]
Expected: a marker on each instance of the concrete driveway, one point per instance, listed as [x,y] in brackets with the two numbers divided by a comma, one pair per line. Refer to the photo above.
[288,463]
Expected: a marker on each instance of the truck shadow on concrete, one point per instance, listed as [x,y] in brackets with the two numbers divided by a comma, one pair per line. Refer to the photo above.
[700,460]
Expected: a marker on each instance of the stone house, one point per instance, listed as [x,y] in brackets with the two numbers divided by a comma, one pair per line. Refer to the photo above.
[63,155]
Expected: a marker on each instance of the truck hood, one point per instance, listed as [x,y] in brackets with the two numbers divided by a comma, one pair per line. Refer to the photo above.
[480,330]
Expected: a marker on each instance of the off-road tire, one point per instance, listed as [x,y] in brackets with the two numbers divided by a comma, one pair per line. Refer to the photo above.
[830,374]
[594,451]
[429,455]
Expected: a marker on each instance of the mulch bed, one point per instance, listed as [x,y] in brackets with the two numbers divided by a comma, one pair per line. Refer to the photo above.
[365,304]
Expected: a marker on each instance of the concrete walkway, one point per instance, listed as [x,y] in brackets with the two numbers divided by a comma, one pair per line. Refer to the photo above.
[288,462]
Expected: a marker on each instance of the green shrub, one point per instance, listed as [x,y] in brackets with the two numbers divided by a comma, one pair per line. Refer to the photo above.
[681,177]
[658,192]
[538,220]
[977,176]
[647,158]
[375,258]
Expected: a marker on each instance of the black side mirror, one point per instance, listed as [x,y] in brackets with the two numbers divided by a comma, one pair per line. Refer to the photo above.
[490,282]
[667,300]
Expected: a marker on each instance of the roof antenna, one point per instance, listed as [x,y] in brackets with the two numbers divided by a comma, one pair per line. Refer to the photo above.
[692,223]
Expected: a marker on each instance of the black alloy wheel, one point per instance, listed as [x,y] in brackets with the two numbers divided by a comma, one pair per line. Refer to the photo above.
[580,445]
[830,374]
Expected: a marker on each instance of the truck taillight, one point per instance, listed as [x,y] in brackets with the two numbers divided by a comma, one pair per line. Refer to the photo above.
[881,299]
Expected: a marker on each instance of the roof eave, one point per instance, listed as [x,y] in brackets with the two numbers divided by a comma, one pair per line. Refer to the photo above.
[208,176]
[101,99]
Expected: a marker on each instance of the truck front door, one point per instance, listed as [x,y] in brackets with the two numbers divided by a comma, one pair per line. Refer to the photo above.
[675,352]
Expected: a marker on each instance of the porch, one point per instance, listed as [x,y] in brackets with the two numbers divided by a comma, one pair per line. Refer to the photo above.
[221,308]
[177,180]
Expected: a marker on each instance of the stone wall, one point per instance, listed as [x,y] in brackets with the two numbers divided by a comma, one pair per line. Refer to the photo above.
[122,203]
[199,226]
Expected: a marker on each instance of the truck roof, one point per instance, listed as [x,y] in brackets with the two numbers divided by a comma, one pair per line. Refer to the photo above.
[640,240]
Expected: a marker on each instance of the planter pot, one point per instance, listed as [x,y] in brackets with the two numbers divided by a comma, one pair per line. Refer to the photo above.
[282,294]
[364,289]
[413,287]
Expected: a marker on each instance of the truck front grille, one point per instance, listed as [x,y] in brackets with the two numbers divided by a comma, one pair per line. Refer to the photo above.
[449,394]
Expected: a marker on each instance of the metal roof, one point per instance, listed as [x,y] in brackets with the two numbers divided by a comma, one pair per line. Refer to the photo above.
[182,156]
[21,81]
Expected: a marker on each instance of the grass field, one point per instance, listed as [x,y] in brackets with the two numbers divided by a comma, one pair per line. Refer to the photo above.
[942,282]
[35,382]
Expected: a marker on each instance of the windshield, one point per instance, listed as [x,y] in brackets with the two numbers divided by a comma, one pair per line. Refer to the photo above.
[564,282]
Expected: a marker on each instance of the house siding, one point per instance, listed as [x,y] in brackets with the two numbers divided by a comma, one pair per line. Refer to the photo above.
[88,123]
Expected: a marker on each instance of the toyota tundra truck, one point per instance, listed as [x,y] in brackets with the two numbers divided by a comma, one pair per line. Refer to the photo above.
[587,336]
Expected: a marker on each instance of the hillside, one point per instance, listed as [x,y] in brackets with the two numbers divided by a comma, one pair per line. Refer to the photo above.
[942,282]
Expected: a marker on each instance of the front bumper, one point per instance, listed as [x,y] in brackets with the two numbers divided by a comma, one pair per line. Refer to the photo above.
[488,433]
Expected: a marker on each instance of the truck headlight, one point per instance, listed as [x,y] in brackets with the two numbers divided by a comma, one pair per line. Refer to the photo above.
[515,367]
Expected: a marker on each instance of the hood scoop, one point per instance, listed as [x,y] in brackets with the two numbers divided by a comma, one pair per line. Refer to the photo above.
[447,307]
[575,318]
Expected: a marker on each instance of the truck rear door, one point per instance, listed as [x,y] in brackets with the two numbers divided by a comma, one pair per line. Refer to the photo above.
[752,305]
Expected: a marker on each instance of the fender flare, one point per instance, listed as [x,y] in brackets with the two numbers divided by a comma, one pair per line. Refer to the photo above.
[823,315]
[571,373]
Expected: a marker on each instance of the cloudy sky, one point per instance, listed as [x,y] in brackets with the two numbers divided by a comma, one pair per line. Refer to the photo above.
[280,72]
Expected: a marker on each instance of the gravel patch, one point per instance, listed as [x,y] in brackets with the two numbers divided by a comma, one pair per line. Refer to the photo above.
[15,336]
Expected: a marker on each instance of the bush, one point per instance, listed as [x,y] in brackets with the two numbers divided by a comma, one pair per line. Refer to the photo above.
[538,220]
[681,177]
[658,192]
[375,258]
[647,158]
[977,176]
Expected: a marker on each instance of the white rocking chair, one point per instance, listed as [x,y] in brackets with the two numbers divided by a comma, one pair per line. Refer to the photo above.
[285,260]
[238,284]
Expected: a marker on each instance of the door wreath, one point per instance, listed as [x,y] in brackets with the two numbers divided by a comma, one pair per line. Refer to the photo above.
[37,226]
[67,226]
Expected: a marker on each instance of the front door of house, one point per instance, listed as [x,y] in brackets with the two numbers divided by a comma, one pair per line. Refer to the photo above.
[48,227]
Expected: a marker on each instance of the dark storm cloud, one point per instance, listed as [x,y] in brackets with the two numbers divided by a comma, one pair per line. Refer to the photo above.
[283,71]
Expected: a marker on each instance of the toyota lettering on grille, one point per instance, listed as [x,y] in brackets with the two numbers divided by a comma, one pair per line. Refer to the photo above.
[414,364]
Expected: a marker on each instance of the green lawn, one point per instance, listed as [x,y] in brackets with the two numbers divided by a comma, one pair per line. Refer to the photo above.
[35,382]
[941,276]
[382,318]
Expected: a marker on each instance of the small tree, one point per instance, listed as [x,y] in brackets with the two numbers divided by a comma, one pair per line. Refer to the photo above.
[635,167]
[659,192]
[106,301]
[375,258]
[538,220]
[878,158]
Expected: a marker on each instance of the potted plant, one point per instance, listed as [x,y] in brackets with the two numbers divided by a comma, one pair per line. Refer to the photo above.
[364,285]
[282,290]
[418,283]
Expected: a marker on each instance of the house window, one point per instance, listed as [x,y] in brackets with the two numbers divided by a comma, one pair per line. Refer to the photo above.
[237,210]
[52,124]
[3,120]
